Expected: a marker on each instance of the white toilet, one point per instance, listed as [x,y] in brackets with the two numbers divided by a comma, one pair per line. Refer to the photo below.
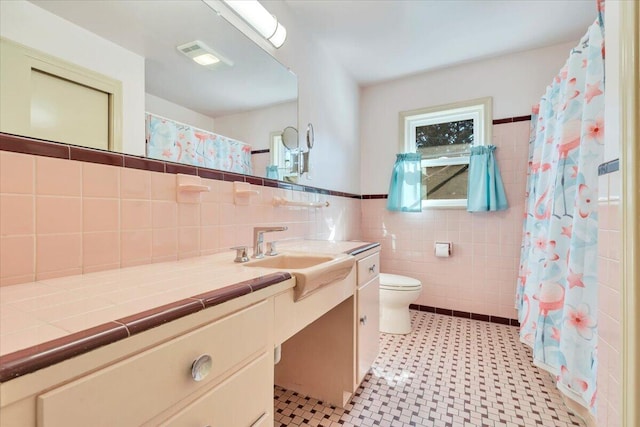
[396,293]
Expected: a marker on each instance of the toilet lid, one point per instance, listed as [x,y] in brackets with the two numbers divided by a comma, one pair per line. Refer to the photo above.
[397,282]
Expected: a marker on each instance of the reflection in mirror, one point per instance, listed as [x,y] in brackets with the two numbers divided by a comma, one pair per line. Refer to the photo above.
[244,100]
[310,136]
[289,138]
[284,155]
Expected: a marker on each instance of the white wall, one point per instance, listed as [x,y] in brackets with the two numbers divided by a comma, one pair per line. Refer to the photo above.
[612,101]
[34,27]
[515,82]
[328,97]
[169,110]
[254,127]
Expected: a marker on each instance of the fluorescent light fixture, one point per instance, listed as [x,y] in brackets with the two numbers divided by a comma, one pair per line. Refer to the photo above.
[260,19]
[203,54]
[206,59]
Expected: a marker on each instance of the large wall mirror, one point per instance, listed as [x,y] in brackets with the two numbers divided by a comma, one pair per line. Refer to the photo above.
[248,97]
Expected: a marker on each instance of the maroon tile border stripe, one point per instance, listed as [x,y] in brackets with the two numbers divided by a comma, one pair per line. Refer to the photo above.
[40,356]
[143,164]
[512,120]
[465,314]
[95,156]
[266,150]
[38,147]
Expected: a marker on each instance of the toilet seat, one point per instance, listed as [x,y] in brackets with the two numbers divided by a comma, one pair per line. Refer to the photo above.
[395,282]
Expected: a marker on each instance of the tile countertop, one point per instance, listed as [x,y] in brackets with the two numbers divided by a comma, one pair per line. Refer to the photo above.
[39,318]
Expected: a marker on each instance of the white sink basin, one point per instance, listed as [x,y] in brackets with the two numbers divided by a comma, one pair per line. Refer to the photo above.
[290,261]
[312,271]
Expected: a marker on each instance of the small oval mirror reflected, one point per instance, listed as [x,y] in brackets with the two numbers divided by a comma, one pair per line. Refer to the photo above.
[290,138]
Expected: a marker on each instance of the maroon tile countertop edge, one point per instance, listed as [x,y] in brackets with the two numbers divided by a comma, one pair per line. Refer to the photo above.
[157,316]
[40,356]
[363,248]
[212,298]
[268,280]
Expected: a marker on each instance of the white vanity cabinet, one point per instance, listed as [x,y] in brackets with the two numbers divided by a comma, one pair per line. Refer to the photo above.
[158,386]
[328,342]
[368,314]
[237,401]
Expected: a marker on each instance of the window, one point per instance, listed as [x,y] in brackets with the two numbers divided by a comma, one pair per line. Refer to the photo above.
[444,135]
[285,159]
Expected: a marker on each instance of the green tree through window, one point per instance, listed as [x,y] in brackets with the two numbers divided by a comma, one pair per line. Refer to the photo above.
[458,132]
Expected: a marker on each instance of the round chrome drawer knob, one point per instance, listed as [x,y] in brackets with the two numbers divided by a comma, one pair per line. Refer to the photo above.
[201,367]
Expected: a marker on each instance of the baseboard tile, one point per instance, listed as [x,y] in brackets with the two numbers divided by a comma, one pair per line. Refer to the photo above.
[465,314]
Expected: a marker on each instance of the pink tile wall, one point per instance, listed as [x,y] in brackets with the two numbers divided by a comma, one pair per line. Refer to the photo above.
[62,217]
[609,405]
[17,218]
[481,275]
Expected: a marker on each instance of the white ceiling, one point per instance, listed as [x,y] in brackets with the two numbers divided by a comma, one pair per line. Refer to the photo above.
[375,40]
[154,28]
[379,40]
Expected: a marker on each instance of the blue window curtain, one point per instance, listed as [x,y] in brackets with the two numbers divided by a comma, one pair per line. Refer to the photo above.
[405,186]
[272,172]
[485,191]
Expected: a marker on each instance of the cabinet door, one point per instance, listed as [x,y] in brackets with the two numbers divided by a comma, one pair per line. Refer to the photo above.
[138,388]
[243,400]
[368,326]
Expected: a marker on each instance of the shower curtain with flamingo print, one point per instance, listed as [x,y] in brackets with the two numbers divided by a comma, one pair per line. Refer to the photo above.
[172,141]
[557,284]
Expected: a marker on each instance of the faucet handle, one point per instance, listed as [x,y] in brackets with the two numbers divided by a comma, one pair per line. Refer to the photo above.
[241,254]
[271,249]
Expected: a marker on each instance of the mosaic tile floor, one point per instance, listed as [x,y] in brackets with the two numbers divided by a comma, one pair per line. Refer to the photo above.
[448,372]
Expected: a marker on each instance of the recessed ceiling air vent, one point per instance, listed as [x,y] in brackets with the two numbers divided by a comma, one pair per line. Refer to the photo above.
[203,54]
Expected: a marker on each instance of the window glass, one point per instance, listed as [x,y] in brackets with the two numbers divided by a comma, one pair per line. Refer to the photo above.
[447,139]
[444,136]
[444,182]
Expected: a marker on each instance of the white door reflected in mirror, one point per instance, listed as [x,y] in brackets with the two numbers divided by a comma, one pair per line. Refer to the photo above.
[284,158]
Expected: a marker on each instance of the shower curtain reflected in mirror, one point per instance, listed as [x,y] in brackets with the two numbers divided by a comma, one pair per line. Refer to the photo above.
[557,286]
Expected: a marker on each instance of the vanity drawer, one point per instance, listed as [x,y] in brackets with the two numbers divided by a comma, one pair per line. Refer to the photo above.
[132,391]
[244,400]
[368,268]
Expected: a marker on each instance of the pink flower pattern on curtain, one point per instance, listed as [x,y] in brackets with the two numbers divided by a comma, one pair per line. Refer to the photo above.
[557,286]
[173,141]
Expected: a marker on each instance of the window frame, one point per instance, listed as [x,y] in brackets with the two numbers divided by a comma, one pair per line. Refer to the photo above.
[480,110]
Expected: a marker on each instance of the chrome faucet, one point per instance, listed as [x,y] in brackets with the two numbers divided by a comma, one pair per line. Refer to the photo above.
[258,239]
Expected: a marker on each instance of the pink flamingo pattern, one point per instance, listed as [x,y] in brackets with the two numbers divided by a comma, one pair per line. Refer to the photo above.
[557,284]
[172,141]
